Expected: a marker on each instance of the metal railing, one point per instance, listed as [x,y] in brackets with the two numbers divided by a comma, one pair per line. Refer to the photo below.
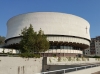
[75,69]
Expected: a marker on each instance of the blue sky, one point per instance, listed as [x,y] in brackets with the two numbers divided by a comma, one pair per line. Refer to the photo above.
[87,9]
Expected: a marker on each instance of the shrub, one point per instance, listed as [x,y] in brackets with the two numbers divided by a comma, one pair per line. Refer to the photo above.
[59,59]
[77,59]
[87,59]
[83,59]
[69,59]
[29,55]
[54,55]
[49,60]
[96,57]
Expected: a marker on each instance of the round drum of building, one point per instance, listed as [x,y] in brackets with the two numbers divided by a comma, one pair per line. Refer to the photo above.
[68,34]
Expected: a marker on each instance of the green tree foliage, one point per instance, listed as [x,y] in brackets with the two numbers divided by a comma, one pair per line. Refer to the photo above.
[2,39]
[41,43]
[33,42]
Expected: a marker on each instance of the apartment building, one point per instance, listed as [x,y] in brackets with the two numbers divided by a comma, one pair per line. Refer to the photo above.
[94,47]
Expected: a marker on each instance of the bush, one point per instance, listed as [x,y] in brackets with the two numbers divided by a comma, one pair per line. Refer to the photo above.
[96,57]
[83,59]
[30,55]
[59,59]
[69,59]
[77,59]
[37,55]
[87,59]
[54,55]
[50,60]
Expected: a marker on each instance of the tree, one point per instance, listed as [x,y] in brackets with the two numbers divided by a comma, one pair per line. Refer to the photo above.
[33,42]
[41,42]
[2,39]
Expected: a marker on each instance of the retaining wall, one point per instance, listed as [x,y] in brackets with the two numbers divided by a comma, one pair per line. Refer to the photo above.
[18,65]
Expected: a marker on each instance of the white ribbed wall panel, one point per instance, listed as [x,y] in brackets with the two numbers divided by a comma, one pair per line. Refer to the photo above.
[69,39]
[53,38]
[63,51]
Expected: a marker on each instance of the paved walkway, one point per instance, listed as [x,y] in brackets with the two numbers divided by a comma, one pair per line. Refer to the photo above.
[96,72]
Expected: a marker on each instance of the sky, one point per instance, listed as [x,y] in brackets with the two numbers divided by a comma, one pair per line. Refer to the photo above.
[87,9]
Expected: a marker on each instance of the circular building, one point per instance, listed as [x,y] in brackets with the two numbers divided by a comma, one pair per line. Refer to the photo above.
[68,34]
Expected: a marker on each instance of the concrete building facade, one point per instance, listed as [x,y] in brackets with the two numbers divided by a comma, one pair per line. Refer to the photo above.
[68,34]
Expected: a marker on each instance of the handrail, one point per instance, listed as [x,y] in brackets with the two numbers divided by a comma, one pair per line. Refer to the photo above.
[76,68]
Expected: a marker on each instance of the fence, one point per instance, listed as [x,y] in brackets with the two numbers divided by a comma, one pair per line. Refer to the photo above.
[75,69]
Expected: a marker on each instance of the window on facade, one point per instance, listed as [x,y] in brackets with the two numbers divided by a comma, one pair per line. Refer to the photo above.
[51,47]
[68,47]
[57,47]
[65,47]
[54,47]
[61,47]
